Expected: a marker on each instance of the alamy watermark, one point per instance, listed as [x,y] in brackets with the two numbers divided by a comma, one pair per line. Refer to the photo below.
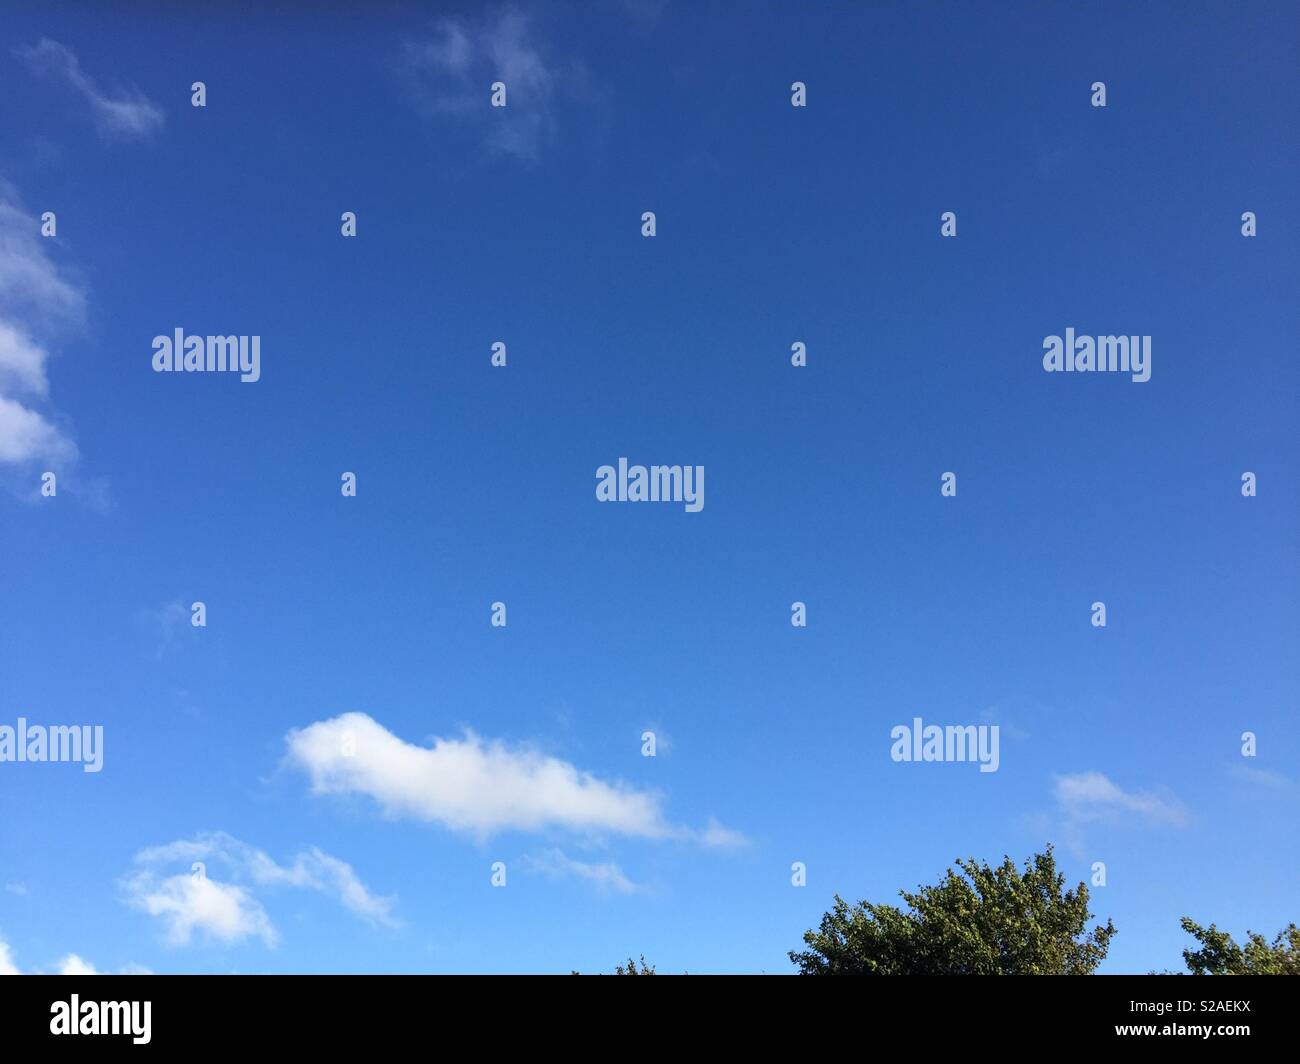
[58,742]
[77,1017]
[179,353]
[952,742]
[1101,354]
[638,483]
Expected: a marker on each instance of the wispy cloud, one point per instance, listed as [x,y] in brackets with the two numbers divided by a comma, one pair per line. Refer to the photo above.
[644,12]
[1090,796]
[229,911]
[449,77]
[1260,777]
[35,299]
[715,836]
[473,785]
[605,877]
[127,113]
[169,622]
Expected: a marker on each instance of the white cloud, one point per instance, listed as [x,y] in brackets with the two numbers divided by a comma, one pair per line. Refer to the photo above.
[189,903]
[319,871]
[605,877]
[129,113]
[31,284]
[478,786]
[716,836]
[34,298]
[70,965]
[25,434]
[22,362]
[229,911]
[470,784]
[1091,796]
[19,889]
[450,77]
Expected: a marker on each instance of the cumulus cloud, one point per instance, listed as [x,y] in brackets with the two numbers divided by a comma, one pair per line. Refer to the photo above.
[188,903]
[127,113]
[35,298]
[230,911]
[471,784]
[1091,796]
[449,77]
[74,965]
[605,877]
[7,966]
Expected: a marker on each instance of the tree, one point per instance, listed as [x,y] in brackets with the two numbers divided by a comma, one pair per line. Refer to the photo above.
[1220,955]
[979,921]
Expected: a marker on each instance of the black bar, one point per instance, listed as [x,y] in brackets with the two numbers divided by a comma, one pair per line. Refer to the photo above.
[482,1015]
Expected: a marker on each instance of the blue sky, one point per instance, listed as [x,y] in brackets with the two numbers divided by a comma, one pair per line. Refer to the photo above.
[775,224]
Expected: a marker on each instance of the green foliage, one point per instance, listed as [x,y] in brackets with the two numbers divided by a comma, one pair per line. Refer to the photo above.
[1220,955]
[631,968]
[979,921]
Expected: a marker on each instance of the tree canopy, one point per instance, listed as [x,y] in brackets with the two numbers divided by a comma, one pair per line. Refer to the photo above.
[978,920]
[1220,955]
